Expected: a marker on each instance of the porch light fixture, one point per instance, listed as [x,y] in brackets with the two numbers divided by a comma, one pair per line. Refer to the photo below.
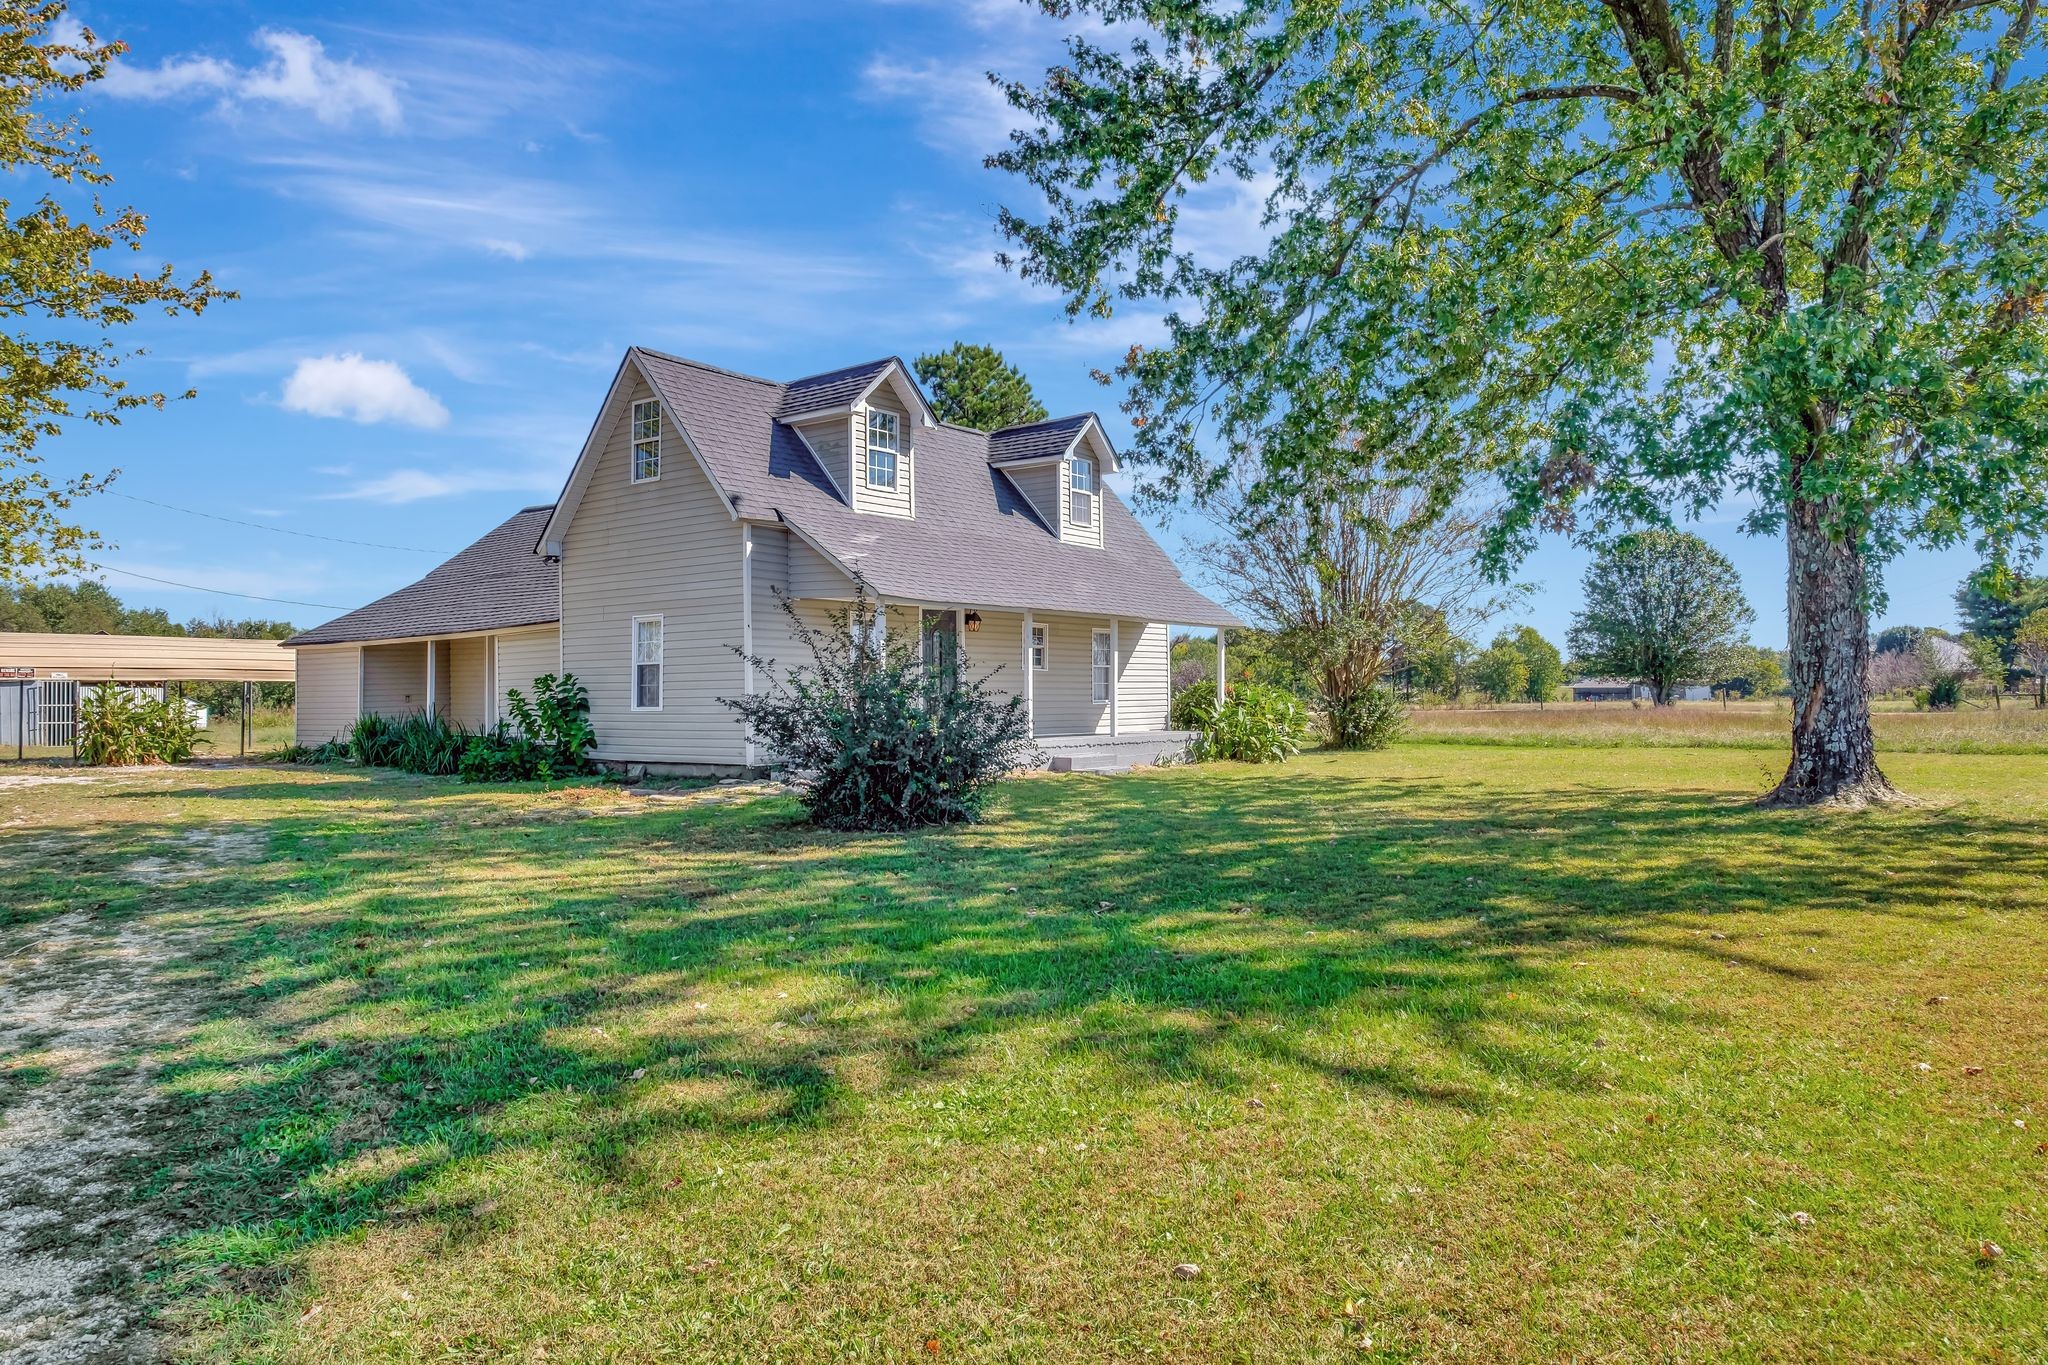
[973,621]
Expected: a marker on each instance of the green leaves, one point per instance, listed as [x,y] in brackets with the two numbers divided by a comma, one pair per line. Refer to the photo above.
[1627,261]
[52,280]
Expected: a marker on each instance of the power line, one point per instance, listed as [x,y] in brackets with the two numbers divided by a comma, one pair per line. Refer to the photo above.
[280,530]
[174,583]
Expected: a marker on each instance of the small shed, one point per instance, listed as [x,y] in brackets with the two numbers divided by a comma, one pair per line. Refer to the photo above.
[1608,689]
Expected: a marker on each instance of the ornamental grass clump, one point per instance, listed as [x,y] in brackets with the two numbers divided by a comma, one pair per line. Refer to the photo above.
[873,736]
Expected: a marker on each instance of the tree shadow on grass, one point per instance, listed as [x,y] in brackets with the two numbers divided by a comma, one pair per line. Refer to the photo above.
[416,974]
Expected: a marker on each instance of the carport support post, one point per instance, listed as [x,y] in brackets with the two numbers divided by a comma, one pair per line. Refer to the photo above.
[1221,673]
[247,688]
[21,723]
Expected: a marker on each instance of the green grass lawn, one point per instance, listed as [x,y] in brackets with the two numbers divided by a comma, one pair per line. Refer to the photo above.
[1442,1053]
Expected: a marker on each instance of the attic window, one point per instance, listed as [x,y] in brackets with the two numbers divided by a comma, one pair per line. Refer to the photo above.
[646,440]
[885,443]
[1082,482]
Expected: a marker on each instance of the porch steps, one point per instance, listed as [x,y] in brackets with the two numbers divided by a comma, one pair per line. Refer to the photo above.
[1096,761]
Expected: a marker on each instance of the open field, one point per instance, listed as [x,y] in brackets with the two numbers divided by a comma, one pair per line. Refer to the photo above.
[2015,728]
[1481,1053]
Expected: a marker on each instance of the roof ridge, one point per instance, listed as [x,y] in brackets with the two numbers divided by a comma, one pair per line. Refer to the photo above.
[709,368]
[1047,422]
[847,369]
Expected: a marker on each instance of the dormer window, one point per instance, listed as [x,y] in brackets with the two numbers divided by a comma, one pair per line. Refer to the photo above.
[1082,482]
[885,443]
[646,440]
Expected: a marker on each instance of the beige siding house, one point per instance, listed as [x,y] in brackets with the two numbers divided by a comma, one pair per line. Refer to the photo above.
[704,499]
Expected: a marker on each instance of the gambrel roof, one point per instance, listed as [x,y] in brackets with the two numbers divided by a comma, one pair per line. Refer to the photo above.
[975,539]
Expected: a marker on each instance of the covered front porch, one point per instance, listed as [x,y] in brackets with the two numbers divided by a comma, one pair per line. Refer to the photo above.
[1089,683]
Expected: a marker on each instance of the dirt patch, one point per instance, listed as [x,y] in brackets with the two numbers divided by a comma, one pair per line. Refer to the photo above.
[83,1011]
[198,852]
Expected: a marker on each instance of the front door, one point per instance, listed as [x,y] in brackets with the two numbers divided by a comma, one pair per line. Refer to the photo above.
[941,648]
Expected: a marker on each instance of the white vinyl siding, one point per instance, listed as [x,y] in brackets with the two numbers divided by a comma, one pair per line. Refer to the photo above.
[810,574]
[395,679]
[832,441]
[899,501]
[1040,485]
[646,440]
[325,701]
[522,657]
[1063,696]
[465,700]
[645,680]
[669,550]
[1144,677]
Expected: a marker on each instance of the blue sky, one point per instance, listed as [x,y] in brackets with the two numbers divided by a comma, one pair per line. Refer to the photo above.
[447,222]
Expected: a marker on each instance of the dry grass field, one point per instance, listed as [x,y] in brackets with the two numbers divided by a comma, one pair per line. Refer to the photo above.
[2015,727]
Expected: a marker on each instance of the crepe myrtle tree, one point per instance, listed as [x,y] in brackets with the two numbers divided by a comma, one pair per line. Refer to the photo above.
[1628,257]
[1661,607]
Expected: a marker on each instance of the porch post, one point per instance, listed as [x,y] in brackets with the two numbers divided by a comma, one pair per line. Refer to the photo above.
[1030,688]
[1116,660]
[747,626]
[1221,673]
[431,652]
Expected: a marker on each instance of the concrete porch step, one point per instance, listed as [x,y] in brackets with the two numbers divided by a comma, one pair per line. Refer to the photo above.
[1105,761]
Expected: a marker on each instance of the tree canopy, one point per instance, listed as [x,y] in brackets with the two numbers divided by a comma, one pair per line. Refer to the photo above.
[1662,608]
[973,386]
[1626,256]
[58,360]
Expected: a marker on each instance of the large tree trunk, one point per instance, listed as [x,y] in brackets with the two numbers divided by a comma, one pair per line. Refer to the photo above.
[1834,758]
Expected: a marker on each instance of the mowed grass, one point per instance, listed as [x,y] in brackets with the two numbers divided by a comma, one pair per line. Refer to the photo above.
[1438,1053]
[2016,727]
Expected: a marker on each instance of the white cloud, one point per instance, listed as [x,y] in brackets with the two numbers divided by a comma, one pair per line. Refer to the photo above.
[417,485]
[504,246]
[298,75]
[957,109]
[349,386]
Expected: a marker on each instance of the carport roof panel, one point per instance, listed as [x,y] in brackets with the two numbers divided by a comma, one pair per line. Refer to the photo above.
[145,658]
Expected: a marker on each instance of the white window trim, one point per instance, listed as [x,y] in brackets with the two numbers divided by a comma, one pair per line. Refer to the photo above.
[1092,493]
[894,450]
[633,664]
[633,440]
[1041,648]
[1108,640]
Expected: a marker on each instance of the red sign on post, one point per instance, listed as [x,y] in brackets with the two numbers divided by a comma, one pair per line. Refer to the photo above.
[10,674]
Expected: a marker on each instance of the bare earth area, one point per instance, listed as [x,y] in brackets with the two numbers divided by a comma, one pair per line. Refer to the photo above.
[85,1008]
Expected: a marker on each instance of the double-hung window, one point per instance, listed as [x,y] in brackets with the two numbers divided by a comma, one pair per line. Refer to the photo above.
[646,440]
[647,663]
[1038,649]
[1082,483]
[1101,660]
[885,443]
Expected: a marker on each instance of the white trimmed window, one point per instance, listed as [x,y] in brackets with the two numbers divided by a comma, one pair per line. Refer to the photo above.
[1082,482]
[646,440]
[647,644]
[1101,662]
[1038,651]
[885,443]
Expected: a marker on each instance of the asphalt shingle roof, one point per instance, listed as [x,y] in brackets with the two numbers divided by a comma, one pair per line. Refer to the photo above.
[975,539]
[1036,439]
[499,583]
[832,389]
